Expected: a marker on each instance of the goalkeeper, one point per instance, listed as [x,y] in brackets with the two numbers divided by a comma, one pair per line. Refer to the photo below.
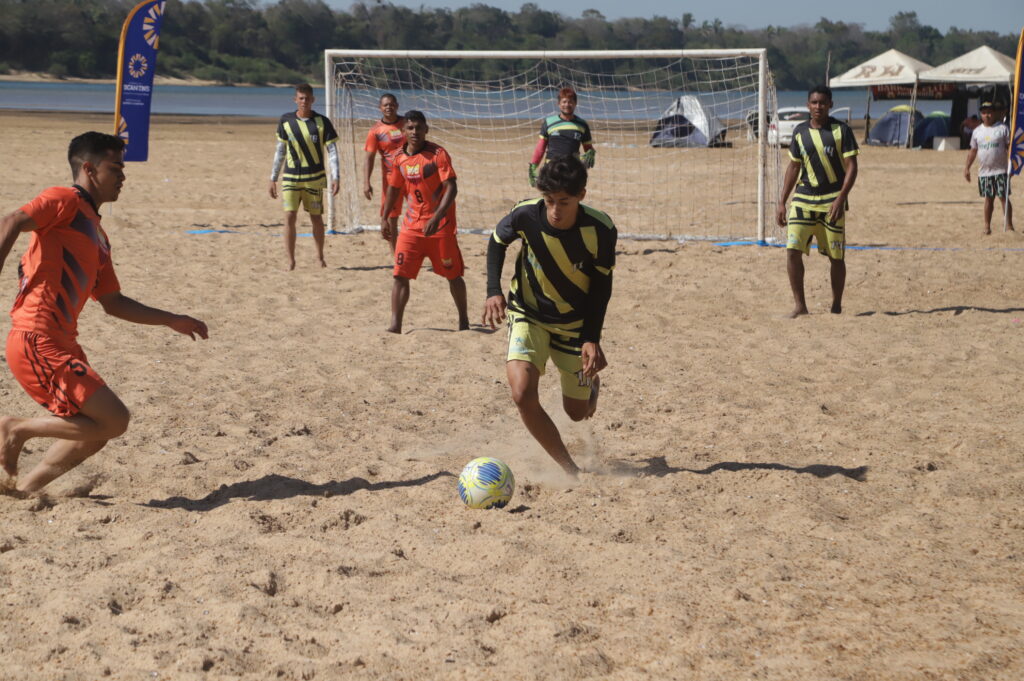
[562,135]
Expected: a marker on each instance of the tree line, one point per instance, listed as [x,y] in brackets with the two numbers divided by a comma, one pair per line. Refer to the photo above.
[244,41]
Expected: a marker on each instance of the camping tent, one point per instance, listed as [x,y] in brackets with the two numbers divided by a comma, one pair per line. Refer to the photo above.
[935,124]
[983,65]
[893,128]
[687,123]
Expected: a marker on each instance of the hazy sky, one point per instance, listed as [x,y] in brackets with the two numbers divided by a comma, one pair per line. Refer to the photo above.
[1004,16]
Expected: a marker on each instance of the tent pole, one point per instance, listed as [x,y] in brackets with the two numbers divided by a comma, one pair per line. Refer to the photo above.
[910,116]
[867,118]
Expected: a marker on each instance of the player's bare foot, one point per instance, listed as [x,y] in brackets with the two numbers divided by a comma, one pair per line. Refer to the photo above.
[463,325]
[10,445]
[986,232]
[323,263]
[837,308]
[797,312]
[394,329]
[291,265]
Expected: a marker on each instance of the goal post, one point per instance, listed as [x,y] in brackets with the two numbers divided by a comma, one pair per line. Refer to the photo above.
[678,154]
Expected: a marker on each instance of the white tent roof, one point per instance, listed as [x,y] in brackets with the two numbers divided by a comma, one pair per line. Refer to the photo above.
[889,68]
[983,65]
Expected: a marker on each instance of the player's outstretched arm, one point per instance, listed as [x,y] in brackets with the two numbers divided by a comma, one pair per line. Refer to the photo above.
[451,190]
[389,202]
[121,306]
[593,359]
[495,305]
[368,173]
[792,172]
[10,227]
[971,155]
[839,205]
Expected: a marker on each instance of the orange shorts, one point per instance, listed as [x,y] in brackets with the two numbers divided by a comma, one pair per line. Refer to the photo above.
[55,376]
[443,251]
[396,211]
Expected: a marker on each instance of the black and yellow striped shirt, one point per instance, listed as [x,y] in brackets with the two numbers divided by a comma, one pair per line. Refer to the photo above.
[821,153]
[563,277]
[305,139]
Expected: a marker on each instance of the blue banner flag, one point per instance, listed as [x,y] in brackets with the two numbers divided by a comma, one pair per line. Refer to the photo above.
[1017,119]
[136,64]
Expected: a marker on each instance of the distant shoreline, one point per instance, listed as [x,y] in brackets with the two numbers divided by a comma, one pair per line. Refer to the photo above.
[39,77]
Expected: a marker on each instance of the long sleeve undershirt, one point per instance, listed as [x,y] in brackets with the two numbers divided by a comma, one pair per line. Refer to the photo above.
[598,295]
[332,161]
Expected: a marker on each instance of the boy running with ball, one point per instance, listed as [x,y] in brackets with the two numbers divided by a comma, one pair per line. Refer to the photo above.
[558,298]
[68,262]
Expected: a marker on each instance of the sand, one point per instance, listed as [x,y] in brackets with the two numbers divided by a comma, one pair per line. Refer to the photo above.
[835,497]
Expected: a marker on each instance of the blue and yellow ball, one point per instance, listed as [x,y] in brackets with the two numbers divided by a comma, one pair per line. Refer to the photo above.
[486,483]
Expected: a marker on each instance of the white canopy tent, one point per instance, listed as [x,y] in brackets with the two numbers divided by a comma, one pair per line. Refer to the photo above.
[889,68]
[983,65]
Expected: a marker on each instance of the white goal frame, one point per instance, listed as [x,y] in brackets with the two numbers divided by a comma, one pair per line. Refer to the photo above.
[764,82]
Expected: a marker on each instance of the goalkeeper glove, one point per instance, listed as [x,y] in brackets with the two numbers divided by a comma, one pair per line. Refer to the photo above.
[588,158]
[533,174]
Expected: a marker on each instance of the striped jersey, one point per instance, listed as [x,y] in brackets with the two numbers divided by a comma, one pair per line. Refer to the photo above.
[67,262]
[821,152]
[557,269]
[564,137]
[305,139]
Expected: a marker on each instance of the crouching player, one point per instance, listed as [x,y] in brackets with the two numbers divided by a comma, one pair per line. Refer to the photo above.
[558,298]
[423,170]
[67,262]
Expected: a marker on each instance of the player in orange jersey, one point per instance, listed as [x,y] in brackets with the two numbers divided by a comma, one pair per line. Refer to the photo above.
[386,137]
[67,262]
[423,170]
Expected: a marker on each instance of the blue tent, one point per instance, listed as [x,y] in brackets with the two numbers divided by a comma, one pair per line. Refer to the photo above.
[891,129]
[935,124]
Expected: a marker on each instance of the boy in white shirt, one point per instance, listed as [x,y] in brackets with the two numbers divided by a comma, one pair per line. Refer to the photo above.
[990,144]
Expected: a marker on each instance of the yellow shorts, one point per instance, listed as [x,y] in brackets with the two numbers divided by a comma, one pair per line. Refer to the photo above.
[310,194]
[530,342]
[807,224]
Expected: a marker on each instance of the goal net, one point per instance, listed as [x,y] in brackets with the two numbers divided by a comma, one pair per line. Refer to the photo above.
[675,132]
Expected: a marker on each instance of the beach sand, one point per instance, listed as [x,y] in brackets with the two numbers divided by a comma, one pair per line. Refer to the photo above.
[833,497]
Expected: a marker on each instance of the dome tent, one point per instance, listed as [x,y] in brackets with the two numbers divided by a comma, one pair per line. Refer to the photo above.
[688,123]
[892,129]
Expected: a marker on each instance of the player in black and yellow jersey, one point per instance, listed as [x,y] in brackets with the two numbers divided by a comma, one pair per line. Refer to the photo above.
[558,298]
[303,136]
[824,157]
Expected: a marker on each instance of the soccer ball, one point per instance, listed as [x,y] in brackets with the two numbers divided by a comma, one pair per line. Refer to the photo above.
[486,483]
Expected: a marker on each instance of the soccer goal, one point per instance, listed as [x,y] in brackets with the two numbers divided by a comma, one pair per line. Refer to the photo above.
[675,131]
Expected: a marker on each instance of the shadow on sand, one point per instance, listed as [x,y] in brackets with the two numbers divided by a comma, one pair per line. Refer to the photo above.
[658,467]
[282,487]
[955,309]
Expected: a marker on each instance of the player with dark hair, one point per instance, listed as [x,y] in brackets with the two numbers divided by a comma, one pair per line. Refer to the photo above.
[558,298]
[67,262]
[386,137]
[562,135]
[823,155]
[302,137]
[424,172]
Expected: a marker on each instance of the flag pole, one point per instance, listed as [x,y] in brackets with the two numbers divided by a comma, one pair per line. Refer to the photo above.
[1016,150]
